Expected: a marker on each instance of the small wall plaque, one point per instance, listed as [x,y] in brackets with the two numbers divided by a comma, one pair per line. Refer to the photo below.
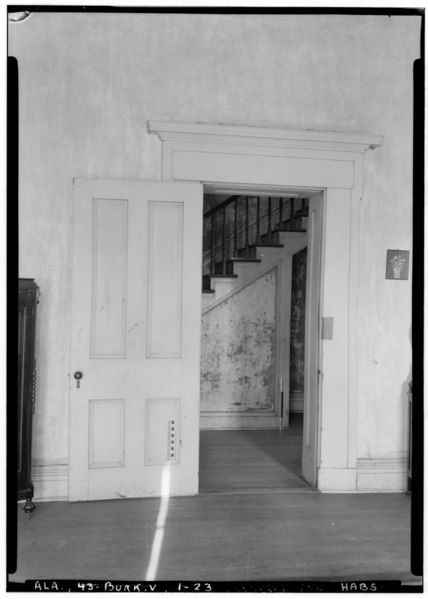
[397,264]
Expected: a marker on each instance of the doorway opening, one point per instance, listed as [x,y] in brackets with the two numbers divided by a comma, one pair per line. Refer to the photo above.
[241,158]
[253,340]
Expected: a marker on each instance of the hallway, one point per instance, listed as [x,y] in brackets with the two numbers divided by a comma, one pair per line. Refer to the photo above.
[245,461]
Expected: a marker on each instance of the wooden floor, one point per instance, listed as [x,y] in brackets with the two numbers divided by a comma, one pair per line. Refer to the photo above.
[254,520]
[238,461]
[220,537]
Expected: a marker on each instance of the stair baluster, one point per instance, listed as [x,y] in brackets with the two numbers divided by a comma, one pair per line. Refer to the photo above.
[235,229]
[223,243]
[281,211]
[269,231]
[258,221]
[292,216]
[247,227]
[212,266]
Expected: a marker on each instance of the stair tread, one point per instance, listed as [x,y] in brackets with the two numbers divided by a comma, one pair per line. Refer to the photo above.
[221,276]
[268,245]
[282,230]
[238,259]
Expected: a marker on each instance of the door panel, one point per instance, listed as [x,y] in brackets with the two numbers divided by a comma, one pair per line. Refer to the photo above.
[109,277]
[312,341]
[137,255]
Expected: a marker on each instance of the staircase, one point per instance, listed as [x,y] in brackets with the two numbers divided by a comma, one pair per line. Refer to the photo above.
[249,243]
[244,235]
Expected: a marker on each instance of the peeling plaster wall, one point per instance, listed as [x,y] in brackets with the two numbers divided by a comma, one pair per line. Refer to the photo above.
[89,83]
[238,351]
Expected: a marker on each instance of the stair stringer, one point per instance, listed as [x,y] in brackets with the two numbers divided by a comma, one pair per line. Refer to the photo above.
[280,260]
[249,272]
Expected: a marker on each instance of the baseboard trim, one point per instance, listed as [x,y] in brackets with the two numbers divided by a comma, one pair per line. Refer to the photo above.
[382,474]
[50,481]
[377,475]
[397,463]
[213,421]
[337,480]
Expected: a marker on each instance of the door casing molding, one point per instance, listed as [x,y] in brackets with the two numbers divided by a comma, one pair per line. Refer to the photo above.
[305,160]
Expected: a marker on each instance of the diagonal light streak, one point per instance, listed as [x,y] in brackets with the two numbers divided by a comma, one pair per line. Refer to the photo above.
[160,525]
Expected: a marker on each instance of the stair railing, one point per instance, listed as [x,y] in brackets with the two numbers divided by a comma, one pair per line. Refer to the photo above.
[232,227]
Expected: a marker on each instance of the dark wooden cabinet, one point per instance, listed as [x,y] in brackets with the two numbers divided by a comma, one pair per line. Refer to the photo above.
[27,302]
[410,439]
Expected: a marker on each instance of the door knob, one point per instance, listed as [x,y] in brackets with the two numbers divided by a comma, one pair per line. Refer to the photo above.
[78,375]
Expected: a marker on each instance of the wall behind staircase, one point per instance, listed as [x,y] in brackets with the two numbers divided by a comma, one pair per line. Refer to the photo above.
[238,352]
[89,82]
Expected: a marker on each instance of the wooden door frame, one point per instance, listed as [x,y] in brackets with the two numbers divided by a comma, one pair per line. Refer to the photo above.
[332,162]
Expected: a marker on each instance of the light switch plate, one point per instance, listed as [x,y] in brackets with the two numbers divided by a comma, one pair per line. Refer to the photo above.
[327,327]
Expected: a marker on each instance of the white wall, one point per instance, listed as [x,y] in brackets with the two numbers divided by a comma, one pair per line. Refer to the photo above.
[88,85]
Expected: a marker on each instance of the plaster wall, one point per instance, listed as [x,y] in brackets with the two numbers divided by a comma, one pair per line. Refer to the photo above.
[88,85]
[238,351]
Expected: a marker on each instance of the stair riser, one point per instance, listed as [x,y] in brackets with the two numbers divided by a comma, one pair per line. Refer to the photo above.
[248,272]
[206,282]
[293,241]
[300,223]
[250,253]
[273,238]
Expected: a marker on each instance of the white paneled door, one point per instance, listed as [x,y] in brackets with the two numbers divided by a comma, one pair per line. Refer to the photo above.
[312,346]
[135,339]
